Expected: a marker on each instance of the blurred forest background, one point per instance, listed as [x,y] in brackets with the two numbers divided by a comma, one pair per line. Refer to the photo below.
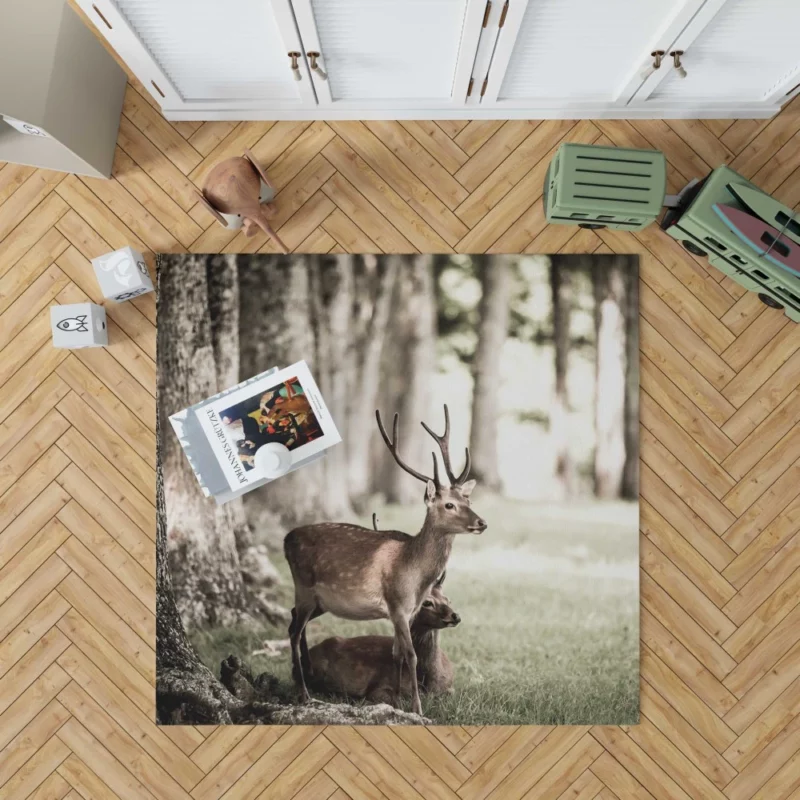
[537,359]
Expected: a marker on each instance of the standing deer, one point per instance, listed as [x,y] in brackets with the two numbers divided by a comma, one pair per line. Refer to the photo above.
[363,666]
[357,573]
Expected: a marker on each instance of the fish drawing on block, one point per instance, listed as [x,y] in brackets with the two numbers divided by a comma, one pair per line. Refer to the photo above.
[763,238]
[77,324]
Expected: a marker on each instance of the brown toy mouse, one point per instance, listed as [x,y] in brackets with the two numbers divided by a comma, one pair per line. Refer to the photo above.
[233,187]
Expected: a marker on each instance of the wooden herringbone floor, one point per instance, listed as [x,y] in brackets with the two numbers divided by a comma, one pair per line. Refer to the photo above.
[720,471]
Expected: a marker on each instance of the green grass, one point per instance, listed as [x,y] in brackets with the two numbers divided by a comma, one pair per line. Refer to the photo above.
[548,598]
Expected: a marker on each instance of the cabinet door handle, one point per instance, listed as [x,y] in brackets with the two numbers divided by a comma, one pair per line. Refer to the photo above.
[657,55]
[676,62]
[312,57]
[294,55]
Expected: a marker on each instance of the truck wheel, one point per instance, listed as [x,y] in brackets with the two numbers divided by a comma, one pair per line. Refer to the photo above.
[693,248]
[592,226]
[769,301]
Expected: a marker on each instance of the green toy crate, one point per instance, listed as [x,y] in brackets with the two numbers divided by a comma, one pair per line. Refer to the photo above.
[605,187]
[697,226]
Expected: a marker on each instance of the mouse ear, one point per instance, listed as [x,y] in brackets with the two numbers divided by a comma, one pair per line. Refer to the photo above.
[261,174]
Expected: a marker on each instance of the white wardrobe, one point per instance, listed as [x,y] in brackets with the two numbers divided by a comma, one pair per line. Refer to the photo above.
[360,59]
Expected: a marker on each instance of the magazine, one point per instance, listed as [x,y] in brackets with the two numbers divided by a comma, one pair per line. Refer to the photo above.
[278,408]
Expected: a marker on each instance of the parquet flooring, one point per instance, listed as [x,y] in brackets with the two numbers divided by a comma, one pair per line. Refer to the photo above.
[720,579]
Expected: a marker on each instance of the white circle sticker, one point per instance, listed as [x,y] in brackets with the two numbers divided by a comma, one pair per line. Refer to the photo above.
[273,460]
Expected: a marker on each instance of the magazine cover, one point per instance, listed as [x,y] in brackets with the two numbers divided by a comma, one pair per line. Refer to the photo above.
[286,408]
[221,435]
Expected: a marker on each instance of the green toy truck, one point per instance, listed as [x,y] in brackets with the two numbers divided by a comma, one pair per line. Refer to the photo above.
[614,187]
[605,187]
[695,224]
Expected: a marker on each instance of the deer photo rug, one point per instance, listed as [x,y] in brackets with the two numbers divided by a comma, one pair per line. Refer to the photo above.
[467,554]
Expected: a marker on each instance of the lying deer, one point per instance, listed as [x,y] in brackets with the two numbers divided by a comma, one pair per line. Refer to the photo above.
[363,666]
[357,573]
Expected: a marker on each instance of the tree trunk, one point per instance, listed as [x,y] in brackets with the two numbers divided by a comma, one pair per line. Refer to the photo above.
[495,277]
[609,312]
[561,289]
[275,330]
[414,370]
[223,307]
[184,686]
[379,282]
[202,549]
[223,301]
[630,480]
[331,291]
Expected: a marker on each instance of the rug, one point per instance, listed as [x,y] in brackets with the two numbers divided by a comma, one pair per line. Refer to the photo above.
[467,554]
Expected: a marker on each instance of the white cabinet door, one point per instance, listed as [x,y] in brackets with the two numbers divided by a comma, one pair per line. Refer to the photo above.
[734,52]
[578,54]
[207,54]
[393,54]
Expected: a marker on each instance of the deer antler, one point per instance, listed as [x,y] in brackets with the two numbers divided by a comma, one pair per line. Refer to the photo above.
[392,445]
[444,445]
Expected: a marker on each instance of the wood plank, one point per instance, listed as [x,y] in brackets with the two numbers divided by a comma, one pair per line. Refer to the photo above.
[109,480]
[129,717]
[153,198]
[363,218]
[85,782]
[683,410]
[97,611]
[237,762]
[105,767]
[685,737]
[12,176]
[404,208]
[17,243]
[35,662]
[37,769]
[501,145]
[89,206]
[122,747]
[713,476]
[36,551]
[132,563]
[682,555]
[160,132]
[780,423]
[675,583]
[686,703]
[26,198]
[690,634]
[686,485]
[119,598]
[760,404]
[416,158]
[16,280]
[114,447]
[768,506]
[31,629]
[437,143]
[157,165]
[496,186]
[476,133]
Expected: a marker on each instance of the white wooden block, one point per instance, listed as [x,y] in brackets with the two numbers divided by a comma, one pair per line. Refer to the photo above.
[78,325]
[122,274]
